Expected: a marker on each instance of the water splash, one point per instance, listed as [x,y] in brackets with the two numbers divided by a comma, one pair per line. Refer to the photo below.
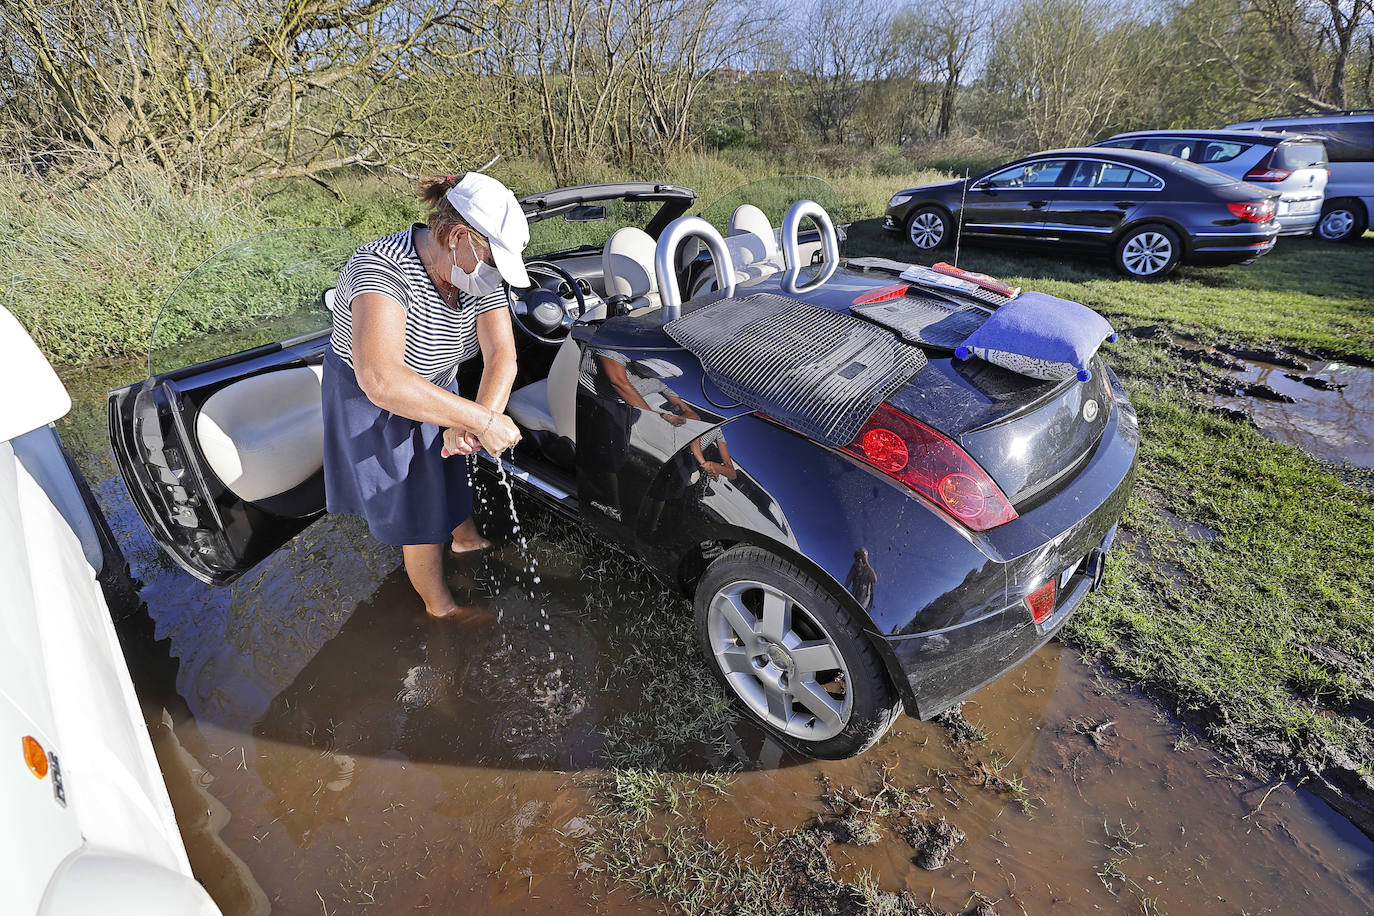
[531,562]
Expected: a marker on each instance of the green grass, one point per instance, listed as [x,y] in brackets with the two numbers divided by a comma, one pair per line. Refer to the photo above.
[88,266]
[1223,624]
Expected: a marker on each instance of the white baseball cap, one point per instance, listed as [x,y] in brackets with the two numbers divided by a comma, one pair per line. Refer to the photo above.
[491,209]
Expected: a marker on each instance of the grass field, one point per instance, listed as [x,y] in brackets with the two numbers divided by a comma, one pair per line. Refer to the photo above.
[88,266]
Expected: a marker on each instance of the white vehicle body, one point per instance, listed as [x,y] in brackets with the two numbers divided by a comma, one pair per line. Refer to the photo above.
[1349,140]
[95,833]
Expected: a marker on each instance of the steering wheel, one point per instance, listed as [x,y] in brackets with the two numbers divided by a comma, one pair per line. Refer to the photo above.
[541,312]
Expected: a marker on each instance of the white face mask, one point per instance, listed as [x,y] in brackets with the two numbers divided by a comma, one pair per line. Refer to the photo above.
[482,282]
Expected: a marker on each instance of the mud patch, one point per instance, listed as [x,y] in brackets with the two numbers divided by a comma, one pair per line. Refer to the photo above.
[961,730]
[934,842]
[354,749]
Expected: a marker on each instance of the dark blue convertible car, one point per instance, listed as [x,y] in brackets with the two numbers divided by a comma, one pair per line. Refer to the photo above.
[863,523]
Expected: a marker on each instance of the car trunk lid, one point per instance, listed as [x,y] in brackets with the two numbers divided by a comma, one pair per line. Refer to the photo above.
[1026,433]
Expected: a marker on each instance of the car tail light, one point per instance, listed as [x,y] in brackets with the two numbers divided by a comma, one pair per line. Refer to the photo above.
[932,465]
[882,294]
[35,757]
[1252,211]
[1041,602]
[1265,171]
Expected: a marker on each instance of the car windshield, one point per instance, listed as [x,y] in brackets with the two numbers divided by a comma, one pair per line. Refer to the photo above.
[588,225]
[773,196]
[1199,173]
[257,291]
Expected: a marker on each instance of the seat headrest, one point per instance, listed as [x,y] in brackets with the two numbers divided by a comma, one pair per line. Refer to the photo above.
[749,220]
[627,262]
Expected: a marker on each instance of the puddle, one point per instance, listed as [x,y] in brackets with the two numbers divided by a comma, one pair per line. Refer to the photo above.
[1337,425]
[1326,409]
[329,749]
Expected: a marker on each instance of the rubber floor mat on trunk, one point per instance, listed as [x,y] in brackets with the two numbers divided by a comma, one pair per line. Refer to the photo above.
[821,372]
[925,319]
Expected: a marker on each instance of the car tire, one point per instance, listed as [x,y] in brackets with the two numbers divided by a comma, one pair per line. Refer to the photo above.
[929,228]
[1148,252]
[1343,220]
[830,712]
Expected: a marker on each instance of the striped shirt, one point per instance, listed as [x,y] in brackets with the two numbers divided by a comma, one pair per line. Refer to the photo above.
[438,338]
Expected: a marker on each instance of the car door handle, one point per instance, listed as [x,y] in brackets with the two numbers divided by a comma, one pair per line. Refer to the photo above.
[1037,204]
[1125,204]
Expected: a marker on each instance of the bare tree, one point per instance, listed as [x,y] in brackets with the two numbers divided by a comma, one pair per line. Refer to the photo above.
[1063,68]
[955,30]
[1306,52]
[246,90]
[838,57]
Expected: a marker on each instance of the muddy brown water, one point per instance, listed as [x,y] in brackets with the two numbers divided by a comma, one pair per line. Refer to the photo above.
[329,750]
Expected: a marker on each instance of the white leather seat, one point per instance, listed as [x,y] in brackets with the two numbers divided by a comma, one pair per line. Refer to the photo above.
[529,407]
[748,220]
[264,434]
[627,265]
[753,247]
[551,404]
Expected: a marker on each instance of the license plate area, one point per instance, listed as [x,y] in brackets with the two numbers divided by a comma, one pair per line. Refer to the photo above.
[1298,207]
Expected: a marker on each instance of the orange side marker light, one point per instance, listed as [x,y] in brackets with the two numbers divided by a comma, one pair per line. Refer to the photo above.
[35,757]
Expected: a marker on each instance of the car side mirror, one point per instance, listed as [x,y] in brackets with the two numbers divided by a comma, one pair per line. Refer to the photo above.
[985,184]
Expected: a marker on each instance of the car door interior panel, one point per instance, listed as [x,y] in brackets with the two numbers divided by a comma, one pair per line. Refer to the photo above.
[263,436]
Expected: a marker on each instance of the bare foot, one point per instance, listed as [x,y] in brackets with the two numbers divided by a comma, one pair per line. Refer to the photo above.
[469,545]
[465,616]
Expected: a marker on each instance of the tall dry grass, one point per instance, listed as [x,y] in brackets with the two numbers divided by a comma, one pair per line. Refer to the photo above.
[87,266]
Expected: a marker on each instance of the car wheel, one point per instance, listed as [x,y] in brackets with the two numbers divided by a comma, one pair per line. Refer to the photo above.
[791,656]
[1148,252]
[1342,221]
[929,228]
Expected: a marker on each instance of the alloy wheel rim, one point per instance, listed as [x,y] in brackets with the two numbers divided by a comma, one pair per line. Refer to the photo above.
[1147,253]
[779,660]
[927,231]
[1336,224]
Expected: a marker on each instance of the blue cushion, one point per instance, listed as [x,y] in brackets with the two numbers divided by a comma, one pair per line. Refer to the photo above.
[1040,336]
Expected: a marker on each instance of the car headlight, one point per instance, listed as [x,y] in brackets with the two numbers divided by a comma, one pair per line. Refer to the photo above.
[898,199]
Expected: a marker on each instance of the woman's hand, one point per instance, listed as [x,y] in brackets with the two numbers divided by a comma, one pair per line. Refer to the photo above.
[459,442]
[500,434]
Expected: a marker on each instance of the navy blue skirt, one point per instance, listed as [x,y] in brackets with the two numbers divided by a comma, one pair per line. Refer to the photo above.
[386,468]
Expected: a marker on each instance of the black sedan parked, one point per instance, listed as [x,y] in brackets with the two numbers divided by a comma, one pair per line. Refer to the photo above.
[1148,211]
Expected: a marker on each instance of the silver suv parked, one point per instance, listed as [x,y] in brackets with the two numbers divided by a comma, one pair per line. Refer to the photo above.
[1294,166]
[1349,137]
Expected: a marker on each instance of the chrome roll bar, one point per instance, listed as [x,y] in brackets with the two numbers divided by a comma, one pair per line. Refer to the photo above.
[830,246]
[665,254]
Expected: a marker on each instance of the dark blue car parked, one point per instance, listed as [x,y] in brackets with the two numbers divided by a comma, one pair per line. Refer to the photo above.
[863,523]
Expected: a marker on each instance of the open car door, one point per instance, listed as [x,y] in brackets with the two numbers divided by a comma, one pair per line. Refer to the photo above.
[224,458]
